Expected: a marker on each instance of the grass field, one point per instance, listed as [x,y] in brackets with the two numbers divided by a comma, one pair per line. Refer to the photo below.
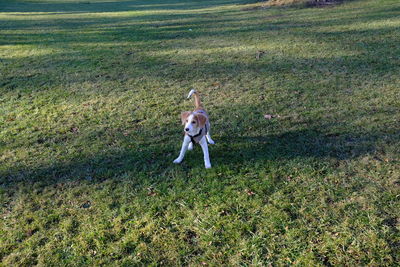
[90,97]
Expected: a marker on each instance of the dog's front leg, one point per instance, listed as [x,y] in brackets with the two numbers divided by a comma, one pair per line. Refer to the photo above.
[204,146]
[185,144]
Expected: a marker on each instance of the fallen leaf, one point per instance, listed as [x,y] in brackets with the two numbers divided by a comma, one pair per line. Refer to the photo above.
[216,84]
[270,116]
[249,192]
[151,192]
[74,130]
[259,54]
[30,232]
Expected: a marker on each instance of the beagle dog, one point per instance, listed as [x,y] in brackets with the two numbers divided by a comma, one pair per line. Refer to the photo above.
[197,130]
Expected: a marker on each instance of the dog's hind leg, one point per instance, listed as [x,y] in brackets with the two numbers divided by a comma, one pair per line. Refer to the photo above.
[204,146]
[208,136]
[185,144]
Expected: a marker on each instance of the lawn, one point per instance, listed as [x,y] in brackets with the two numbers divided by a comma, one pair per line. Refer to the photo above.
[90,98]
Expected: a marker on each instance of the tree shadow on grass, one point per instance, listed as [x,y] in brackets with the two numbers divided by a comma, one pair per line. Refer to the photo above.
[303,143]
[60,7]
[231,151]
[137,32]
[156,26]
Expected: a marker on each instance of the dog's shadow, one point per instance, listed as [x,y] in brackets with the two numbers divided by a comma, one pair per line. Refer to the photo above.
[234,150]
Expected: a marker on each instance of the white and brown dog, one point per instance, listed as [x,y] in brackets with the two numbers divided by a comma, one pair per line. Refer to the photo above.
[197,130]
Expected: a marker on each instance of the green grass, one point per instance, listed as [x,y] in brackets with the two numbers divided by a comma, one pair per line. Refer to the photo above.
[90,97]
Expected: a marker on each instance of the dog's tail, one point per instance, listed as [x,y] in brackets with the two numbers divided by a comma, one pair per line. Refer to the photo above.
[197,101]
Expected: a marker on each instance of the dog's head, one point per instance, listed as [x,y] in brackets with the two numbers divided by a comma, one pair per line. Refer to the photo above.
[193,122]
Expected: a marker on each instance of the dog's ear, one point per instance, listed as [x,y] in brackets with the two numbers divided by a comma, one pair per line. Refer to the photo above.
[202,120]
[184,116]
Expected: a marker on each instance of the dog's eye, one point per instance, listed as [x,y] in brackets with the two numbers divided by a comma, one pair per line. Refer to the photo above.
[193,122]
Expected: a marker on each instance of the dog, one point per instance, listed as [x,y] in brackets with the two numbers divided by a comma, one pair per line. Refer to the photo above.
[197,130]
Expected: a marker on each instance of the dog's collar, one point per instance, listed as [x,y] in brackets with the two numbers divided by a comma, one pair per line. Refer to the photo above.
[192,137]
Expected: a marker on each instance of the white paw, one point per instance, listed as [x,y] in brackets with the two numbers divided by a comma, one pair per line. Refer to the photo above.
[190,147]
[208,166]
[210,141]
[177,161]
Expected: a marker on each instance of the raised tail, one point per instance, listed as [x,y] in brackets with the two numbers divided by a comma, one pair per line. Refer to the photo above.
[197,101]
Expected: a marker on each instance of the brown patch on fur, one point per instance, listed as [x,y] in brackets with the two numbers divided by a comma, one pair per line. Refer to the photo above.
[184,116]
[197,101]
[201,120]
